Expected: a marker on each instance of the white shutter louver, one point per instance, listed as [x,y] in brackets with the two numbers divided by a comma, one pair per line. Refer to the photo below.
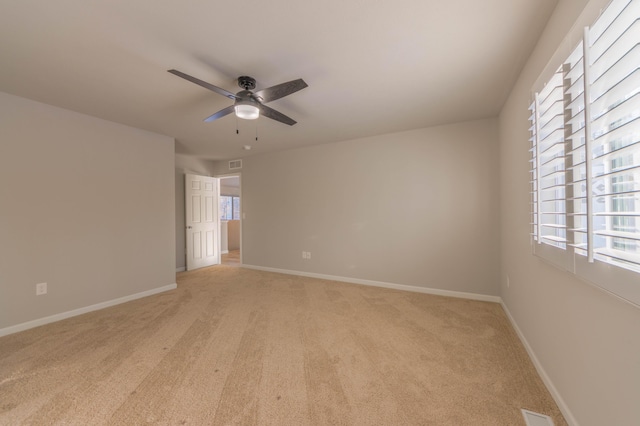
[576,158]
[548,171]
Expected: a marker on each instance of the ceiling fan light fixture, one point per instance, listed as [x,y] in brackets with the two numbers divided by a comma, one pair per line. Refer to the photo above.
[247,111]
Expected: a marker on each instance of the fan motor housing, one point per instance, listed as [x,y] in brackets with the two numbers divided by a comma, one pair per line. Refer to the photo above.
[246,82]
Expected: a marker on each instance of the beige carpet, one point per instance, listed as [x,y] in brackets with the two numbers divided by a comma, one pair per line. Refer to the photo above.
[233,346]
[231,259]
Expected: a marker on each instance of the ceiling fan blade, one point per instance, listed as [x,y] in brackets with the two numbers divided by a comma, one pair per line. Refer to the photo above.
[275,115]
[281,90]
[204,84]
[228,110]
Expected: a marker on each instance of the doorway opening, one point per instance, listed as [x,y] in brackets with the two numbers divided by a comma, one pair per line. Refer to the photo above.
[230,220]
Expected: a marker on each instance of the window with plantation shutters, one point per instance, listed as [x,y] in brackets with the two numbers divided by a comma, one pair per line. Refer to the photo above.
[585,156]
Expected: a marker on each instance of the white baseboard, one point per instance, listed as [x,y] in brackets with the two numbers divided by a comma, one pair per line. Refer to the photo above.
[415,289]
[566,412]
[181,269]
[64,315]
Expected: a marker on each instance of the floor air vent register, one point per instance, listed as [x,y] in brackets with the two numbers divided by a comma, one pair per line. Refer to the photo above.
[536,419]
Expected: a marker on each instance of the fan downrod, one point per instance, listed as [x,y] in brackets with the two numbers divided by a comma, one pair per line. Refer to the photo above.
[246,82]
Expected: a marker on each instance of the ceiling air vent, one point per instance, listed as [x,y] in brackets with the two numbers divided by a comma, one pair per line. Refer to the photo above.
[235,164]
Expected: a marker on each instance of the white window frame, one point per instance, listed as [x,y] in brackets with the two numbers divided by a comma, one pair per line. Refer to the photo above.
[576,257]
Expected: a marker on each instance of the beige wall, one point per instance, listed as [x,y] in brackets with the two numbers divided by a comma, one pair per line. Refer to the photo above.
[192,165]
[587,342]
[233,235]
[86,205]
[405,208]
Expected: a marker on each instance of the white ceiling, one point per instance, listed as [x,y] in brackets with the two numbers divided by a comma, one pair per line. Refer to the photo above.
[373,67]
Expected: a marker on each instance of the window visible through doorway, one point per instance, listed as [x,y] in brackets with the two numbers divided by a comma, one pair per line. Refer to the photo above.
[229,207]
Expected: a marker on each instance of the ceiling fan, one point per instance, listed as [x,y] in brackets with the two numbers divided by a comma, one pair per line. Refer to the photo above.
[249,105]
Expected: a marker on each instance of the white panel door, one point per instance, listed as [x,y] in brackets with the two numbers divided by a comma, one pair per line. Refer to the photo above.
[203,225]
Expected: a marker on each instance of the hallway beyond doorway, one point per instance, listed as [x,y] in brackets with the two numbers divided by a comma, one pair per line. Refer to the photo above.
[232,258]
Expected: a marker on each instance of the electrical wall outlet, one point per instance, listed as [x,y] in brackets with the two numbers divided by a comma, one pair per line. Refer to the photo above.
[306,255]
[41,288]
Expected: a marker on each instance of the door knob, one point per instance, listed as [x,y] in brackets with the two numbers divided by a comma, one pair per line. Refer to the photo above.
[188,227]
